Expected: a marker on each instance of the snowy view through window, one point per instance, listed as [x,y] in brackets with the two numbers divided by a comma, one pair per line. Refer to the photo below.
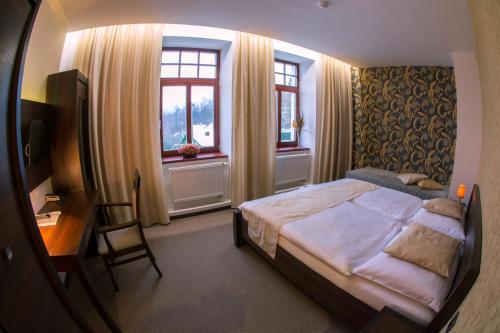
[174,116]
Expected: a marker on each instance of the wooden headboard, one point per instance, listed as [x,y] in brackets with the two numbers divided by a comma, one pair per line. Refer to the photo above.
[469,266]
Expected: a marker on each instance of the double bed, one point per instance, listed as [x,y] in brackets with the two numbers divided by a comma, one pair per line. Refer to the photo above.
[328,239]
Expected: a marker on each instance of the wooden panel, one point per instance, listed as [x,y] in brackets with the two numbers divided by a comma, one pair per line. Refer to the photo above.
[32,296]
[67,93]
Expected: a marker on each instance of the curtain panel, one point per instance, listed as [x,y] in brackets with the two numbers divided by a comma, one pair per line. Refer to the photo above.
[334,136]
[254,119]
[122,64]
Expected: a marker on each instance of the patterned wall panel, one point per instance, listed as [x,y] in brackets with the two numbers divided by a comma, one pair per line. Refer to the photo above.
[405,119]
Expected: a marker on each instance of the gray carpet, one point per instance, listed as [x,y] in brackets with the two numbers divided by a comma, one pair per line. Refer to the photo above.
[208,285]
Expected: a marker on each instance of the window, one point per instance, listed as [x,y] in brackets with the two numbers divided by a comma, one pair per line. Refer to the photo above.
[286,78]
[189,99]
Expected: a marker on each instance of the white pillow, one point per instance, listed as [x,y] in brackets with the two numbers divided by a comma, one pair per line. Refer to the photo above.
[408,279]
[391,203]
[447,225]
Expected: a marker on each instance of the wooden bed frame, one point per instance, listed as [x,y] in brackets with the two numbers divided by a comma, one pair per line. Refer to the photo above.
[353,311]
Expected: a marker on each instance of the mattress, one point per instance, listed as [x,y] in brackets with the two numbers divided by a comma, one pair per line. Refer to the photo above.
[366,291]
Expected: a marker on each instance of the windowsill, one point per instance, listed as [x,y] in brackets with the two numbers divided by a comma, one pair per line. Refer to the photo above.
[292,148]
[201,156]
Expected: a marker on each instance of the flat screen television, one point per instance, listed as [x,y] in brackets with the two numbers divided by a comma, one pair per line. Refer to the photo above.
[38,147]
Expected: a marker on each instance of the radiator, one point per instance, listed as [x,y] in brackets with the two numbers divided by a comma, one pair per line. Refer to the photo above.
[292,168]
[197,182]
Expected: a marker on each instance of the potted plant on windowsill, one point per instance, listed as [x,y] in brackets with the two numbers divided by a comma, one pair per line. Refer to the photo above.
[189,150]
[298,124]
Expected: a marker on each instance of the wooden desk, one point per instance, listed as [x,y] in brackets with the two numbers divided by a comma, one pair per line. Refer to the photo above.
[67,243]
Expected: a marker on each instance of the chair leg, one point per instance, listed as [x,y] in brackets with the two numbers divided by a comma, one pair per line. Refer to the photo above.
[110,272]
[152,259]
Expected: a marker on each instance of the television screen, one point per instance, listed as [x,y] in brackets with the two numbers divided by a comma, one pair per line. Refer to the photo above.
[39,141]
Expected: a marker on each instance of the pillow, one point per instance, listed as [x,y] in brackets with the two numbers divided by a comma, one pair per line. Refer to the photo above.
[446,207]
[408,279]
[430,184]
[411,178]
[447,225]
[426,248]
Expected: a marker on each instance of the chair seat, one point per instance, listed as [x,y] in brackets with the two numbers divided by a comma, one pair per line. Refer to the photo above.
[119,239]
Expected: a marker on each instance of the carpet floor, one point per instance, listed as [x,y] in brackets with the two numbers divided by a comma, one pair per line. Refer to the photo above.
[208,285]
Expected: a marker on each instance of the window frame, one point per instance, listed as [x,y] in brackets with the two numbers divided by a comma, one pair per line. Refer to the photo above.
[284,88]
[189,82]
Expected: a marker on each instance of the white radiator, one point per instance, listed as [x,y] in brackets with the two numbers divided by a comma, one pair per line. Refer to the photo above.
[197,182]
[292,169]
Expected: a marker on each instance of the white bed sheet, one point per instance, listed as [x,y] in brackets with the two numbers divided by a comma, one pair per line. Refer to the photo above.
[366,291]
[344,236]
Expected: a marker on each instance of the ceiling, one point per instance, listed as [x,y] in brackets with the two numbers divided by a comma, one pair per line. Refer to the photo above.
[360,32]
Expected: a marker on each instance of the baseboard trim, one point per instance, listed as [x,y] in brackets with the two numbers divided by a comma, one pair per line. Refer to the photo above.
[199,209]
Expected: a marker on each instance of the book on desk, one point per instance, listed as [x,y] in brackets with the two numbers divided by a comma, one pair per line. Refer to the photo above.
[50,212]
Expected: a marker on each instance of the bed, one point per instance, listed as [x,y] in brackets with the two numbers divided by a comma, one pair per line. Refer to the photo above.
[347,295]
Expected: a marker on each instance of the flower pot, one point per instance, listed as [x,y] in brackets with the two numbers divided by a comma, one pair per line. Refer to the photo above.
[189,155]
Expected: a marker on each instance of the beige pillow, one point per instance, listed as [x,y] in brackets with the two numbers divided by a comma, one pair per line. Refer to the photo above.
[411,178]
[426,248]
[446,207]
[429,184]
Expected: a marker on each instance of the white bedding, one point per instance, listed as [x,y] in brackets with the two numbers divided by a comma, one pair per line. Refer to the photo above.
[268,215]
[365,290]
[394,204]
[344,236]
[344,244]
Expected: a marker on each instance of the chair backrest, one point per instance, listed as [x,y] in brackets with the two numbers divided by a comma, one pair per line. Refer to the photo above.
[136,207]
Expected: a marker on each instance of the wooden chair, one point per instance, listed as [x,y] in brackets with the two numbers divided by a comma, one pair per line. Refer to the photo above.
[118,240]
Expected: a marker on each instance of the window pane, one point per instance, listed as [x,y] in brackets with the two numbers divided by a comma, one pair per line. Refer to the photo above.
[207,72]
[288,107]
[169,71]
[189,71]
[208,58]
[279,79]
[189,57]
[279,67]
[170,57]
[202,115]
[291,69]
[173,107]
[291,81]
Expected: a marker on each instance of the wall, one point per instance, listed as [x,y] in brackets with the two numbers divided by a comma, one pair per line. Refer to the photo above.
[481,310]
[44,50]
[42,58]
[466,166]
[405,119]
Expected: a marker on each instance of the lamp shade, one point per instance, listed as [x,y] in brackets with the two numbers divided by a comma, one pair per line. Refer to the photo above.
[461,191]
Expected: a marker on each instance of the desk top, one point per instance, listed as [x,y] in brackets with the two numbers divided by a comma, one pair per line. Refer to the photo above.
[67,237]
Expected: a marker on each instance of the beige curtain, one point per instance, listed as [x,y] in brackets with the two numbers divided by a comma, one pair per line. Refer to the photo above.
[123,67]
[254,119]
[334,134]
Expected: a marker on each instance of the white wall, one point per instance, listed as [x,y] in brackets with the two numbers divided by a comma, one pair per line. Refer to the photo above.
[468,142]
[44,51]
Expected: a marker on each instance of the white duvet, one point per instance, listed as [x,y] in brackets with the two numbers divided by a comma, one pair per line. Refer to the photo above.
[268,215]
[343,237]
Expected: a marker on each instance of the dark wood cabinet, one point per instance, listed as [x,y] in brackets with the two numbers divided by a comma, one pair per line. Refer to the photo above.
[32,298]
[67,92]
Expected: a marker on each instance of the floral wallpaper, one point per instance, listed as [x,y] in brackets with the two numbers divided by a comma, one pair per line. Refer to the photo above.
[405,119]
